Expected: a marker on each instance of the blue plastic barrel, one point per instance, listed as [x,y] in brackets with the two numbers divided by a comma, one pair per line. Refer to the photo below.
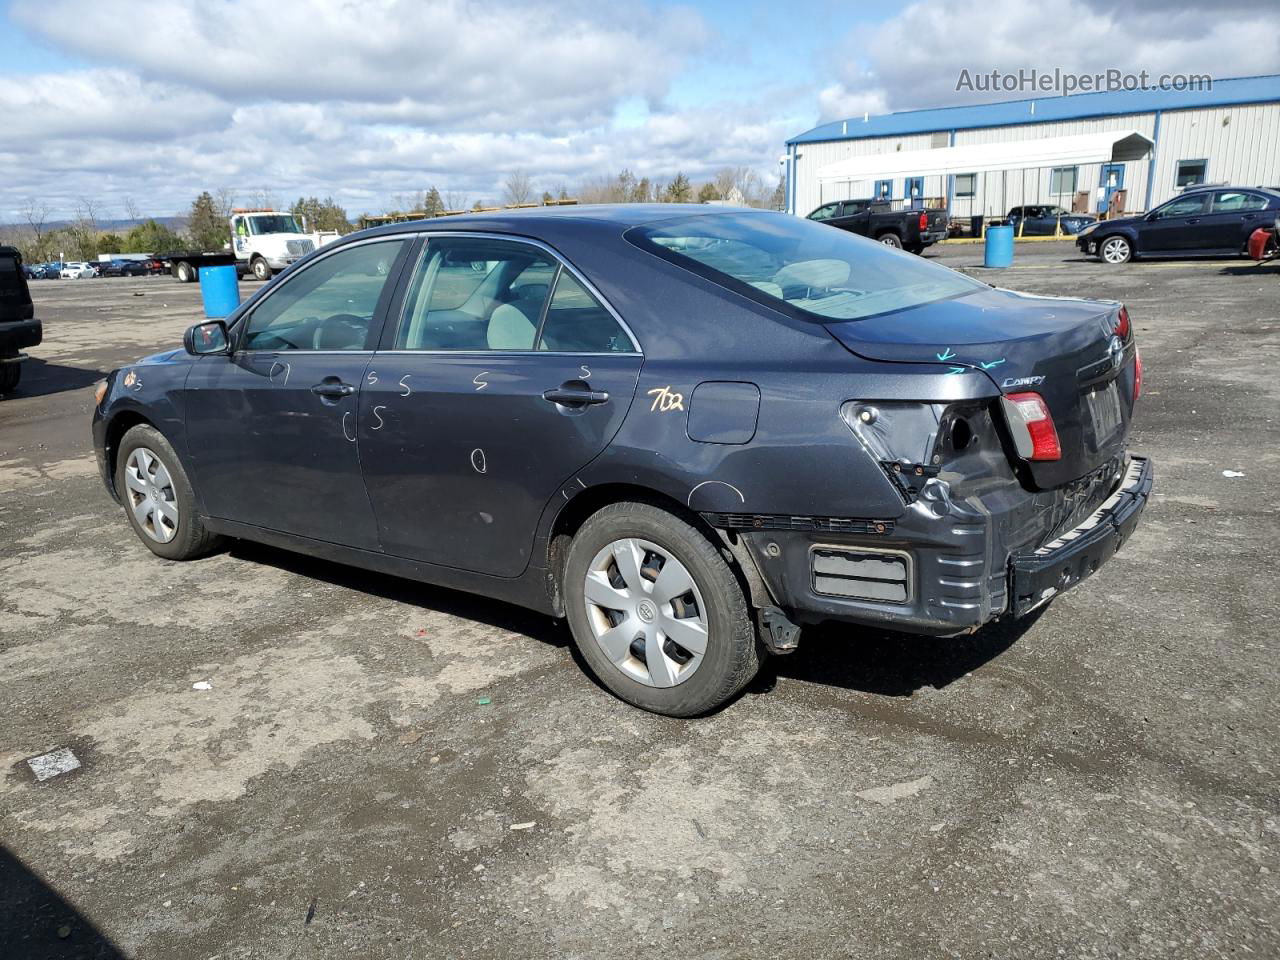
[220,290]
[999,247]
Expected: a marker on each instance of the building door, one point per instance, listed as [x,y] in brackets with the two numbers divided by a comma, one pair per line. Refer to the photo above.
[915,192]
[1112,180]
[884,189]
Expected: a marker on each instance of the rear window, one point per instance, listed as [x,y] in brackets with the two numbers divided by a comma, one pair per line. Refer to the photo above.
[803,268]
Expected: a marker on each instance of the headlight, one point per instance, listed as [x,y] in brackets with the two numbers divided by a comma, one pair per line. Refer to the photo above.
[99,391]
[1088,230]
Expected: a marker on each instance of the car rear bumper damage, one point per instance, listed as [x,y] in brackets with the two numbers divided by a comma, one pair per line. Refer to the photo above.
[943,568]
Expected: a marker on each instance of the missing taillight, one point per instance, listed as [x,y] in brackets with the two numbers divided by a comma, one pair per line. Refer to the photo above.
[961,434]
[1031,424]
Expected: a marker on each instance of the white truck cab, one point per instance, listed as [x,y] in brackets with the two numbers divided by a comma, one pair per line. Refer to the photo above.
[267,241]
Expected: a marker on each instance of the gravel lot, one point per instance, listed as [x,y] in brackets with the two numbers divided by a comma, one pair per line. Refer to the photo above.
[381,769]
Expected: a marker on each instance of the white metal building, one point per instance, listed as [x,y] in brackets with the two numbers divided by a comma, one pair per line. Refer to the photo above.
[1149,144]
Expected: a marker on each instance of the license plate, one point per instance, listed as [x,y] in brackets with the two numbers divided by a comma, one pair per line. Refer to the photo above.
[1104,408]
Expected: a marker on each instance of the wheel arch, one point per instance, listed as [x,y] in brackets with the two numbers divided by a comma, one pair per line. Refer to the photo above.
[120,424]
[576,511]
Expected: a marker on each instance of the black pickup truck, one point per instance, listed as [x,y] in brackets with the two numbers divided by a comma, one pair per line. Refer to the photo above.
[912,230]
[18,326]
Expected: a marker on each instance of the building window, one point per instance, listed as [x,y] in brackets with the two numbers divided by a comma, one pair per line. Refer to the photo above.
[1190,172]
[884,189]
[966,184]
[940,140]
[1062,180]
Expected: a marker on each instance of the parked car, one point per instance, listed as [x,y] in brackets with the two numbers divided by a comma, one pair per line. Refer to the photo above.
[123,268]
[1214,221]
[33,271]
[1046,220]
[19,327]
[880,441]
[913,230]
[77,270]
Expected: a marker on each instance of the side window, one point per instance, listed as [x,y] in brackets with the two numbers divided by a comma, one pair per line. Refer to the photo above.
[1182,207]
[472,293]
[328,306]
[577,323]
[1231,201]
[825,212]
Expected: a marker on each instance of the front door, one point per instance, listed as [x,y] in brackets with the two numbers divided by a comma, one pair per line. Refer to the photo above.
[1175,226]
[272,426]
[915,192]
[504,377]
[1112,180]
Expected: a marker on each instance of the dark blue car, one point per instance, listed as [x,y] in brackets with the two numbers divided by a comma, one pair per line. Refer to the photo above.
[688,431]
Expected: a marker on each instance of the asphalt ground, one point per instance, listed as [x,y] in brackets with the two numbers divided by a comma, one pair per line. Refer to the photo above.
[383,769]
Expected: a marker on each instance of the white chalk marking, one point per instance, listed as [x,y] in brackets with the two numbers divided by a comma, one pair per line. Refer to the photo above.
[202,685]
[53,764]
[895,791]
[689,502]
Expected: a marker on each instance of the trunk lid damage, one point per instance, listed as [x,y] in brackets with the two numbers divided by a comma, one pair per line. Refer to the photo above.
[1066,350]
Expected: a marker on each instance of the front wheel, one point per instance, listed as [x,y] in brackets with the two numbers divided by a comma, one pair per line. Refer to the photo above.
[261,269]
[657,613]
[157,496]
[1115,250]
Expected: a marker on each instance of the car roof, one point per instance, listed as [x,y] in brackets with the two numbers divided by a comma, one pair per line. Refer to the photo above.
[1196,188]
[622,216]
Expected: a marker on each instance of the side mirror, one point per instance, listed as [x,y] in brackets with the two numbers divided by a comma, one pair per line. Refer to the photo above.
[207,338]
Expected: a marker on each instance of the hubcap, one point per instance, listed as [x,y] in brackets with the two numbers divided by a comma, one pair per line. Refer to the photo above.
[152,498]
[1114,251]
[646,612]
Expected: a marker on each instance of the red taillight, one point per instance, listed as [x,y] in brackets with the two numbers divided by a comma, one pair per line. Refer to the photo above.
[1122,324]
[1137,374]
[1033,413]
[924,221]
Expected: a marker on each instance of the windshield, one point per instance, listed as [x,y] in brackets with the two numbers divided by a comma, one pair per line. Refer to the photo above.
[804,268]
[276,223]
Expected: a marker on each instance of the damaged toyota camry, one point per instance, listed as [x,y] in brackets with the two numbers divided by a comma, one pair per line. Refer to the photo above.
[689,433]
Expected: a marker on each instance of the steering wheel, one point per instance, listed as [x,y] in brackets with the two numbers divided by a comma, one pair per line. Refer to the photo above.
[357,325]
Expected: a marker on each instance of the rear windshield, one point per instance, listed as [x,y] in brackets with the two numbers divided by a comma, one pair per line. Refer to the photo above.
[811,270]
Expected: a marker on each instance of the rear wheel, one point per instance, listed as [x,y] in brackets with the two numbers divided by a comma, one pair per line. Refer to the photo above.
[157,496]
[1115,250]
[890,240]
[657,613]
[10,374]
[184,272]
[261,269]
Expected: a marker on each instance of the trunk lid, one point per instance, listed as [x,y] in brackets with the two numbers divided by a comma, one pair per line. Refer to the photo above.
[1064,349]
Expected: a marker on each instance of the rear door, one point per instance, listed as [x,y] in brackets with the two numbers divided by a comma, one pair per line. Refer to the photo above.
[854,216]
[272,427]
[504,376]
[1234,215]
[1176,226]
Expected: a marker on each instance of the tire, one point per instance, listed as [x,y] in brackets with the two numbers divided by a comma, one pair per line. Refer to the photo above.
[184,272]
[187,538]
[1115,250]
[916,248]
[261,269]
[718,615]
[891,239]
[10,374]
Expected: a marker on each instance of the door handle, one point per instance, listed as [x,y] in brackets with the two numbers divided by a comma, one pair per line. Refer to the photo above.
[575,397]
[333,387]
[1194,220]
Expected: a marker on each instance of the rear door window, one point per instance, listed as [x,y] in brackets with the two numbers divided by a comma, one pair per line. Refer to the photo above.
[1234,201]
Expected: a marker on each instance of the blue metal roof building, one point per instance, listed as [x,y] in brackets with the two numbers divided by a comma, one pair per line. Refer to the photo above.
[1232,129]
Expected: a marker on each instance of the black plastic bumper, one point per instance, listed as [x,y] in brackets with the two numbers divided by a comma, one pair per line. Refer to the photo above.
[1039,576]
[17,334]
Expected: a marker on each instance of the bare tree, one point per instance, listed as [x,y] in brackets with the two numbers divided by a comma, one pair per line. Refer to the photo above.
[84,229]
[454,200]
[517,188]
[36,213]
[224,201]
[131,211]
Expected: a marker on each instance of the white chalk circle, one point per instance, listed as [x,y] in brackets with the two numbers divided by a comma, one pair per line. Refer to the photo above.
[477,460]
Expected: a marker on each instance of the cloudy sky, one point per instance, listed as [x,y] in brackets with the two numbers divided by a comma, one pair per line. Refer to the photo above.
[366,99]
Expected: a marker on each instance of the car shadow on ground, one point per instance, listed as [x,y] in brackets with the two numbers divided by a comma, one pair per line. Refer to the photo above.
[37,923]
[454,603]
[889,664]
[1252,269]
[41,378]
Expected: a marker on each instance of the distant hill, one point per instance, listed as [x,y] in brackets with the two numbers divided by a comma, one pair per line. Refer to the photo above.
[176,224]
